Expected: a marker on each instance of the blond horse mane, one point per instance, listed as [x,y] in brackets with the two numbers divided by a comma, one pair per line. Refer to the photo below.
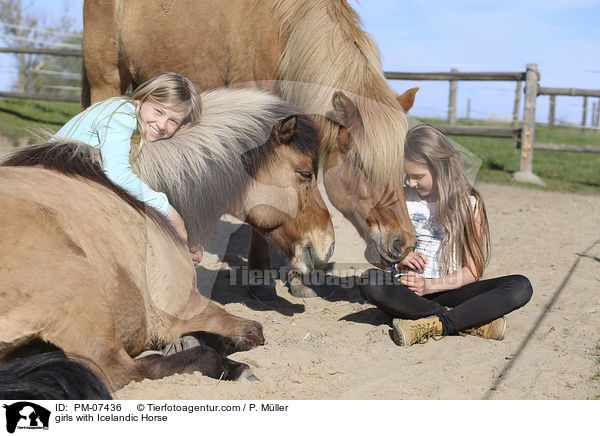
[326,51]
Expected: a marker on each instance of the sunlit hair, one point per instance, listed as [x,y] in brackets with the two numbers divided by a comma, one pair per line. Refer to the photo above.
[172,91]
[466,227]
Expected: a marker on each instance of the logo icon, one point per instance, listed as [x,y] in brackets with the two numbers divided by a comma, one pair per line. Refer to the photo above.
[26,415]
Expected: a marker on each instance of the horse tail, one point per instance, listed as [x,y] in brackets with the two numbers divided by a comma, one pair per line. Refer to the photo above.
[50,376]
[86,95]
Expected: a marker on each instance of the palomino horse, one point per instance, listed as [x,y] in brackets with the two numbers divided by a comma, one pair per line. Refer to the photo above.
[307,51]
[89,270]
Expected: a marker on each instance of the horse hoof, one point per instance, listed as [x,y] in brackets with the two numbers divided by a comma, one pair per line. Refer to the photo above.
[300,290]
[181,344]
[263,292]
[249,375]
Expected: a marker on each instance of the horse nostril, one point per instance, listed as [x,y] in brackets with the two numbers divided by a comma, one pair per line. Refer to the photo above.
[309,255]
[330,251]
[398,245]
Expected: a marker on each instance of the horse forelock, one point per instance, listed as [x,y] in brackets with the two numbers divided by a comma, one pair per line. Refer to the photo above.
[336,54]
[206,169]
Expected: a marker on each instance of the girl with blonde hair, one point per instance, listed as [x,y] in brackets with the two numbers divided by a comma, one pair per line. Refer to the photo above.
[165,104]
[437,290]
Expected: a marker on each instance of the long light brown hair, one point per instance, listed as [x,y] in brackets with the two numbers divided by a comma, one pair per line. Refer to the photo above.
[467,234]
[172,91]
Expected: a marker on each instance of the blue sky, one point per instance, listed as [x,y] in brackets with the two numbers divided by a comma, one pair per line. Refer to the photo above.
[562,37]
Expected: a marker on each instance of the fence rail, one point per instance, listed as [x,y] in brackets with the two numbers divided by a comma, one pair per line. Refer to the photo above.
[515,77]
[575,92]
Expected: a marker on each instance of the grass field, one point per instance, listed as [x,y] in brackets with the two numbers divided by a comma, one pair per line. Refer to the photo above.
[562,171]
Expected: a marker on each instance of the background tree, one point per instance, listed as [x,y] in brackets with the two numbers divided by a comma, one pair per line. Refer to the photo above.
[22,28]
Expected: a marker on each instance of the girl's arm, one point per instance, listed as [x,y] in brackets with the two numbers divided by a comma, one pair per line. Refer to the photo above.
[115,136]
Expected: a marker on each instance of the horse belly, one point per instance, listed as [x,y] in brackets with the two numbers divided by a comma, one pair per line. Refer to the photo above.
[215,43]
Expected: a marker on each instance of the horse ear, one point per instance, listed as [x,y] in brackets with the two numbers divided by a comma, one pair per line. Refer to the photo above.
[407,99]
[285,129]
[344,112]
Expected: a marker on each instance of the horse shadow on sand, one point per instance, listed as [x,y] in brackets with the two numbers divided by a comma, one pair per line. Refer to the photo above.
[230,284]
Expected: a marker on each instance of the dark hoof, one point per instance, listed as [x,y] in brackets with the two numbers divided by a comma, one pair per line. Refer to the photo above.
[263,292]
[300,290]
[249,375]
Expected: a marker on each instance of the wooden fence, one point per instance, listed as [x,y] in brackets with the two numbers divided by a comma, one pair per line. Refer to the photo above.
[524,135]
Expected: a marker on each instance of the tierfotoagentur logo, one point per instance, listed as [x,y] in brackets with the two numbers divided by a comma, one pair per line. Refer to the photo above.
[26,415]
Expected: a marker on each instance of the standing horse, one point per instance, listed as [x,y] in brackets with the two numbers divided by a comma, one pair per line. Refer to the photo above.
[311,52]
[89,270]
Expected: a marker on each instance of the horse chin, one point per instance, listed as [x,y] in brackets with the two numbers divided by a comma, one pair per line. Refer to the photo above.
[374,256]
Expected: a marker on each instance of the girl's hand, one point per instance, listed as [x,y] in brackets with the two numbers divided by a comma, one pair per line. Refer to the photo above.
[415,261]
[415,282]
[177,222]
[197,253]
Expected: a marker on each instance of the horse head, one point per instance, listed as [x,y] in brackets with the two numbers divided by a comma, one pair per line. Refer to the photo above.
[375,206]
[283,203]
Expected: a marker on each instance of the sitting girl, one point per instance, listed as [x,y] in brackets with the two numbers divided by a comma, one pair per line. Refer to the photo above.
[436,290]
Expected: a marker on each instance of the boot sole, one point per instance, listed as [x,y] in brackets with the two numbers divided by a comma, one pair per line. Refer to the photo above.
[398,335]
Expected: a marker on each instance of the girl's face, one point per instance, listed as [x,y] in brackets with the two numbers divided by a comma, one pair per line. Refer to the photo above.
[420,178]
[159,122]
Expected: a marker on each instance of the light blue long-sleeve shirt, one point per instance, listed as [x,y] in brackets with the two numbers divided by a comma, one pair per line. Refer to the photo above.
[109,125]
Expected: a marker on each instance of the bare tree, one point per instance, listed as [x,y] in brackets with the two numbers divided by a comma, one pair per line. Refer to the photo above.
[21,28]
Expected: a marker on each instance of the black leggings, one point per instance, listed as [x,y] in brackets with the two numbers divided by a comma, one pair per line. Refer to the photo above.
[470,306]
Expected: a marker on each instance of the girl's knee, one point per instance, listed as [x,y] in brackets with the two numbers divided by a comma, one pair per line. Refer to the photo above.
[521,290]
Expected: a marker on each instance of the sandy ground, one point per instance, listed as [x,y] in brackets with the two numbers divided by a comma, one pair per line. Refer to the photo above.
[339,347]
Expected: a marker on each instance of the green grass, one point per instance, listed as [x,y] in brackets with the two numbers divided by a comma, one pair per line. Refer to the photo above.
[561,170]
[26,118]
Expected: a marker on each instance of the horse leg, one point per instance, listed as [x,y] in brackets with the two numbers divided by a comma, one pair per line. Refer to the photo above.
[105,72]
[201,358]
[202,315]
[259,259]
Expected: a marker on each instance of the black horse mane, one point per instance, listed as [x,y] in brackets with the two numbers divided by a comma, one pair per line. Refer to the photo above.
[76,159]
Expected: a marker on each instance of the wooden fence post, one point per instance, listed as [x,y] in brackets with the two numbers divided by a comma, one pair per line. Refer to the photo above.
[517,103]
[593,120]
[525,173]
[468,109]
[452,102]
[584,117]
[552,108]
[597,114]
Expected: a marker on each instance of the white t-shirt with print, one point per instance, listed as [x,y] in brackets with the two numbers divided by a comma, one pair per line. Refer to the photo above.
[429,232]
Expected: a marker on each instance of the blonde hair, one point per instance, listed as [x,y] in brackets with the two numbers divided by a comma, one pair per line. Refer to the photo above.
[172,91]
[466,227]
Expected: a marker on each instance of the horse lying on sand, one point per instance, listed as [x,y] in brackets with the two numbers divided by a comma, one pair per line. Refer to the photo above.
[306,51]
[90,270]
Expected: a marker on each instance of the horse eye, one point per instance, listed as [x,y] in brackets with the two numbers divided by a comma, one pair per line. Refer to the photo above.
[305,174]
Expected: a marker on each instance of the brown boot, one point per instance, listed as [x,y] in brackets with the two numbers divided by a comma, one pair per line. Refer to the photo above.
[493,330]
[408,332]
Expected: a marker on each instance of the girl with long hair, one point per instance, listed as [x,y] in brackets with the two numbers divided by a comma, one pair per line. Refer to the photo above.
[437,289]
